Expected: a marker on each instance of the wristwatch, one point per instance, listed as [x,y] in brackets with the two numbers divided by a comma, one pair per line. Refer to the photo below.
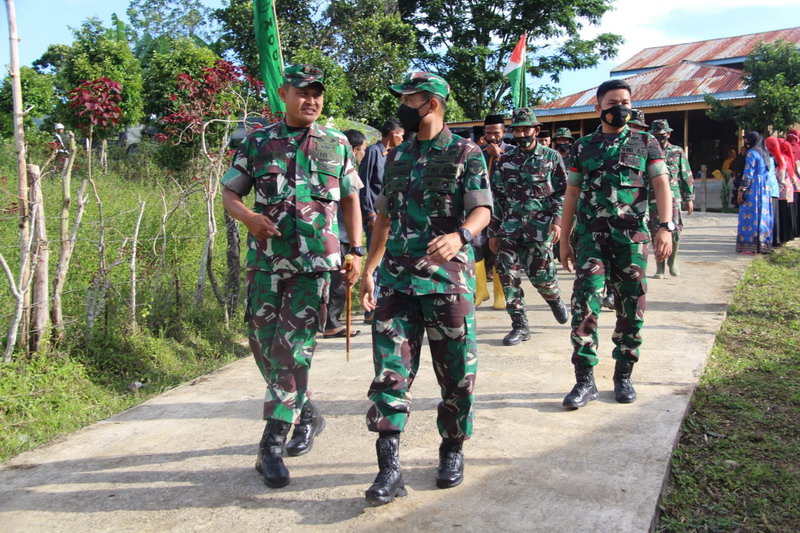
[360,251]
[466,235]
[669,226]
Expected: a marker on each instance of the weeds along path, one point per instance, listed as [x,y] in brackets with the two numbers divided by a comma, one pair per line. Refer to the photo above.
[184,460]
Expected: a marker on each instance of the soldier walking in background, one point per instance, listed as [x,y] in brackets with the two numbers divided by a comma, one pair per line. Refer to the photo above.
[435,197]
[607,189]
[682,184]
[300,172]
[528,186]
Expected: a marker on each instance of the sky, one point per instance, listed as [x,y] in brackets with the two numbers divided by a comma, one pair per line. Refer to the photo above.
[642,23]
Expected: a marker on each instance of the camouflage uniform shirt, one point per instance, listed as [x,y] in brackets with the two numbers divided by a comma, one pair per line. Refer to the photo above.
[528,189]
[680,175]
[428,192]
[614,178]
[299,178]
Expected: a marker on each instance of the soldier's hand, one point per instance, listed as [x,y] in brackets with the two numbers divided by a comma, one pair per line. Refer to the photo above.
[351,276]
[261,227]
[663,244]
[494,244]
[367,292]
[444,247]
[567,256]
[688,206]
[555,231]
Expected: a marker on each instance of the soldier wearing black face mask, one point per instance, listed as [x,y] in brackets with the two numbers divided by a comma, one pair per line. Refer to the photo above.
[563,141]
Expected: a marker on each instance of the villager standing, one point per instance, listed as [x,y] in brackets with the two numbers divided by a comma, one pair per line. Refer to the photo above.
[754,234]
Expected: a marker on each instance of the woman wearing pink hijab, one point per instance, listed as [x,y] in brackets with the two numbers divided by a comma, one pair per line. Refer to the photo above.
[778,182]
[794,176]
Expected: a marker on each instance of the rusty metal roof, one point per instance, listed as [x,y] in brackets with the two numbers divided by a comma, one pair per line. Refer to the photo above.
[719,50]
[674,83]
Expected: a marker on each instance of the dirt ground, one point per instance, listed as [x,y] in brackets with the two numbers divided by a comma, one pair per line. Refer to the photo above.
[183,461]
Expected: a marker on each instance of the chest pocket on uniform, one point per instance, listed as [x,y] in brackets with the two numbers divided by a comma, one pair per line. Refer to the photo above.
[632,168]
[539,176]
[439,187]
[395,186]
[271,185]
[324,181]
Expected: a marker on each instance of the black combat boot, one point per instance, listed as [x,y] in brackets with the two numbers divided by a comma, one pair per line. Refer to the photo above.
[519,331]
[560,310]
[584,390]
[388,483]
[270,454]
[623,388]
[608,301]
[311,424]
[451,464]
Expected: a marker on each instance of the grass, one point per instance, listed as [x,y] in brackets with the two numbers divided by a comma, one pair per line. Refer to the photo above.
[737,464]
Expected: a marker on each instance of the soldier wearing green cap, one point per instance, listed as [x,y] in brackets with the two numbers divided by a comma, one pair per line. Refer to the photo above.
[435,197]
[562,141]
[637,123]
[682,184]
[610,174]
[299,172]
[528,186]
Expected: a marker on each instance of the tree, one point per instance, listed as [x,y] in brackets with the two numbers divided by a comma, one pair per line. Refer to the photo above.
[296,24]
[37,96]
[160,78]
[53,59]
[772,75]
[375,46]
[469,43]
[95,54]
[172,18]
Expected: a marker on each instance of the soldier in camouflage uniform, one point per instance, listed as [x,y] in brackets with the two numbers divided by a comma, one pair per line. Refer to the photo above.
[607,188]
[637,122]
[300,172]
[682,184]
[435,197]
[563,141]
[528,186]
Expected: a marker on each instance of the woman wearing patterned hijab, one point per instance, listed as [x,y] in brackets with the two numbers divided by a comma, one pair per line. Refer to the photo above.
[754,234]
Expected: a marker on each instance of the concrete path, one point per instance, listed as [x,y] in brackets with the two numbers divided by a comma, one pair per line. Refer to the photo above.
[183,461]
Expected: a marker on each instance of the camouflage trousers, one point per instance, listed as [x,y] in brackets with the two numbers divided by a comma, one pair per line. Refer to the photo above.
[596,255]
[515,258]
[284,312]
[653,223]
[397,329]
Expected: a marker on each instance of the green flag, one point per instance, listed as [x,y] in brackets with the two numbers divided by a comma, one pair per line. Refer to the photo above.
[269,51]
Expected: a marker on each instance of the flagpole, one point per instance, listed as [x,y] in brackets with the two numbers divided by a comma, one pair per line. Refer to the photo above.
[277,33]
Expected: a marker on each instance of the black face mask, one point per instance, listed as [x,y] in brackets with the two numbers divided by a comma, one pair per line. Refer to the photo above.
[525,141]
[409,117]
[616,116]
[562,147]
[662,141]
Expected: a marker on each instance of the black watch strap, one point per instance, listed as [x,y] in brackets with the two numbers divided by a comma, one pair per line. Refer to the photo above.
[466,235]
[360,251]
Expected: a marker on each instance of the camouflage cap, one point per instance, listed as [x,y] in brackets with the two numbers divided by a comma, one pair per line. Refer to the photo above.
[304,75]
[563,133]
[637,118]
[524,116]
[660,126]
[416,82]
